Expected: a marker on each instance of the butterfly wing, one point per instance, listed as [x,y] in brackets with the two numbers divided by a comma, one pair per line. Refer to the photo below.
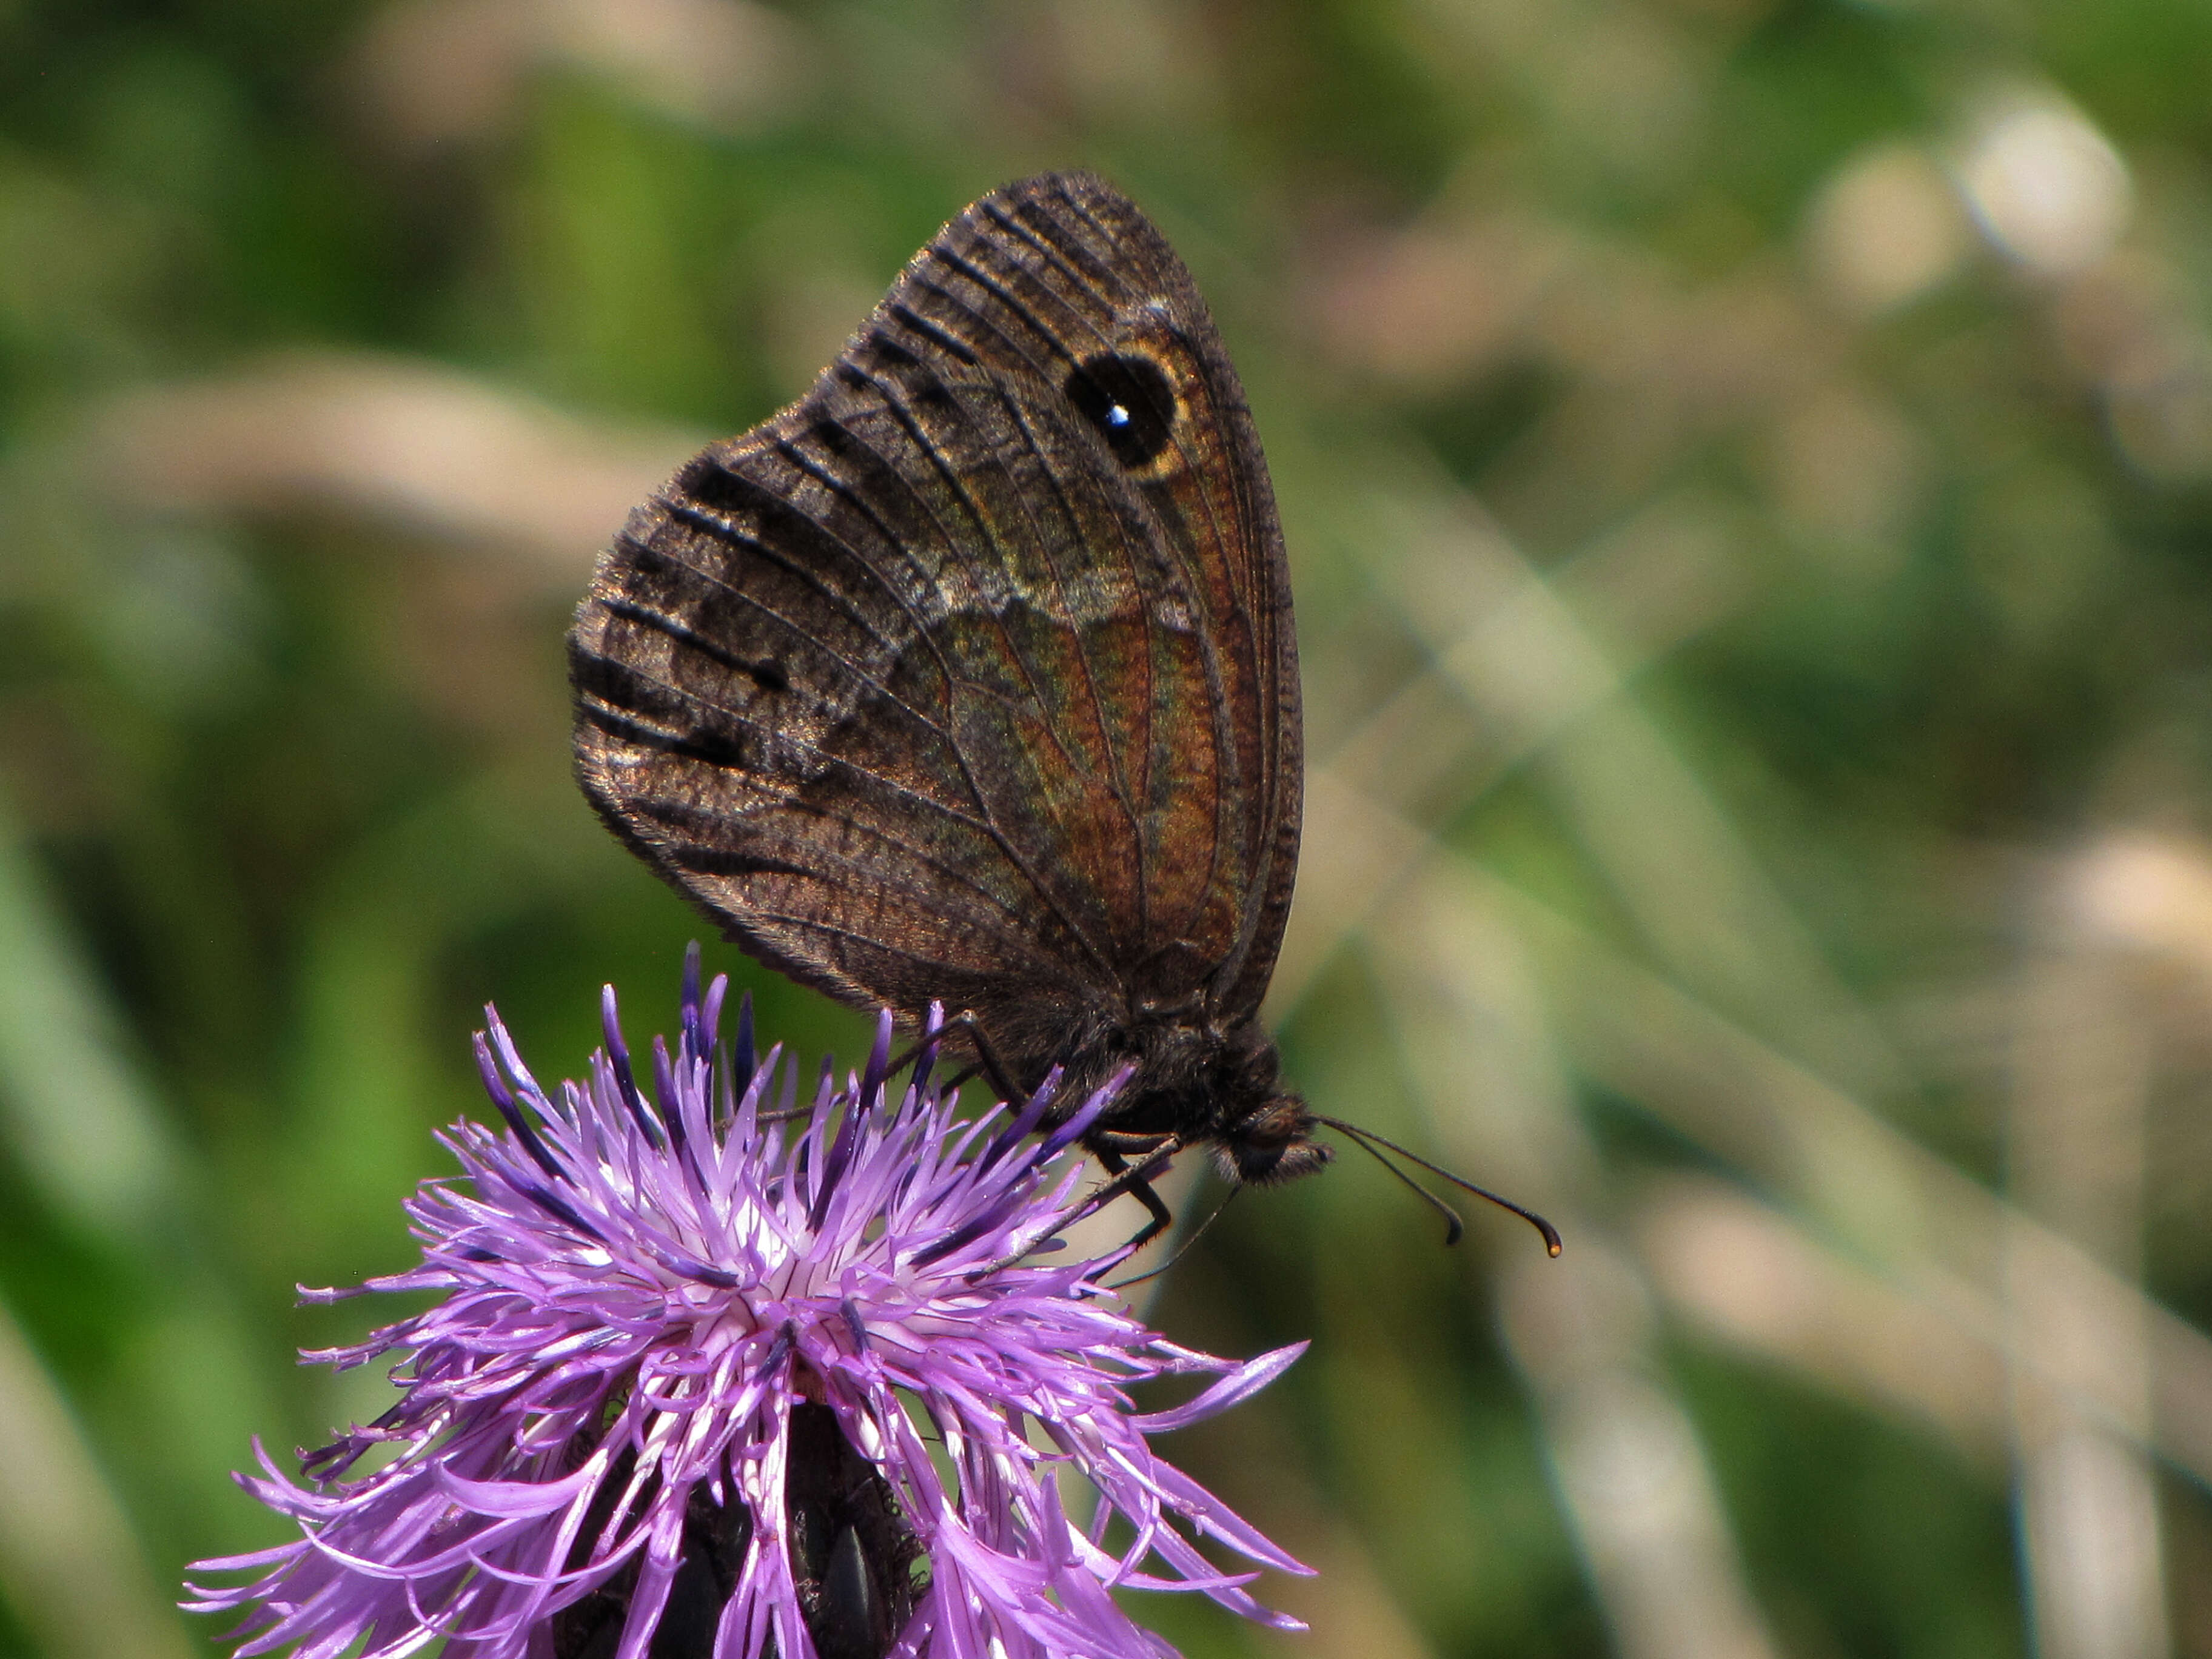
[970,676]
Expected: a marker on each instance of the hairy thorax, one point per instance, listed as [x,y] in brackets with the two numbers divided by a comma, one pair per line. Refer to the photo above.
[1203,1082]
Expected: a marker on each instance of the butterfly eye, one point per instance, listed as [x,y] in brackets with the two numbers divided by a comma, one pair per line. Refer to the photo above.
[1129,400]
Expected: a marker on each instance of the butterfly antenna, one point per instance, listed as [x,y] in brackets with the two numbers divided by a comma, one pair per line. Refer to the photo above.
[1369,1141]
[1183,1248]
[1454,1226]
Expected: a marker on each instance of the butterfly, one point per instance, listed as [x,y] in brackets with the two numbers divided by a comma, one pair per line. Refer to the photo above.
[970,678]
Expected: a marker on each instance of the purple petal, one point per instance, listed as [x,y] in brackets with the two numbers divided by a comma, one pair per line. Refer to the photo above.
[1240,1384]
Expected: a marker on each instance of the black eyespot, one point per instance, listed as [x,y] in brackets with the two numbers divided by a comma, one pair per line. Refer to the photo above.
[1129,400]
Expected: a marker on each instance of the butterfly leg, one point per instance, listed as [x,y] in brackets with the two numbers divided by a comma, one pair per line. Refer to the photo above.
[1138,1183]
[987,1063]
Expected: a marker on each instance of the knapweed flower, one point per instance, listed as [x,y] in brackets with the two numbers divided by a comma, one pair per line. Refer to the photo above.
[711,1377]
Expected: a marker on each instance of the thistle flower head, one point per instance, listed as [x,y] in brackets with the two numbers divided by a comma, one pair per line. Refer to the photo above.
[705,1378]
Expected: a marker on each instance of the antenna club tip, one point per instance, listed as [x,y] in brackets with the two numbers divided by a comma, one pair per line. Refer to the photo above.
[1552,1247]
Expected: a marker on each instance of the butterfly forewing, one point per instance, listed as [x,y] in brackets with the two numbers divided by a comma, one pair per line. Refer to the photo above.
[1065,278]
[969,677]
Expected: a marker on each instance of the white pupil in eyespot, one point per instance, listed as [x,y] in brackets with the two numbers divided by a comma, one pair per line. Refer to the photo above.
[1117,416]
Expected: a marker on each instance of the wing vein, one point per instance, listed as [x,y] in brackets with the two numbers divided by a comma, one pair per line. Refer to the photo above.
[934,457]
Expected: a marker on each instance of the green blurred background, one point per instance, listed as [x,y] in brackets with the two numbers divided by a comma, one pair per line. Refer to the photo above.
[1747,470]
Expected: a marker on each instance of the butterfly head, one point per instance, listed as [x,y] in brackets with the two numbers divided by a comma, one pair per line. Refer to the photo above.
[1272,1145]
[1267,1134]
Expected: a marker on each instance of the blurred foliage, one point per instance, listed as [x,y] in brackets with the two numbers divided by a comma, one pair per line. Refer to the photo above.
[1746,467]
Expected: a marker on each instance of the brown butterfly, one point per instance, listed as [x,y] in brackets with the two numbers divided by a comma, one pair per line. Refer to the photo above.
[969,678]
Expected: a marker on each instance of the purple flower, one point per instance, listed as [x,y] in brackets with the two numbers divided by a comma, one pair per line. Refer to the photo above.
[700,1383]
